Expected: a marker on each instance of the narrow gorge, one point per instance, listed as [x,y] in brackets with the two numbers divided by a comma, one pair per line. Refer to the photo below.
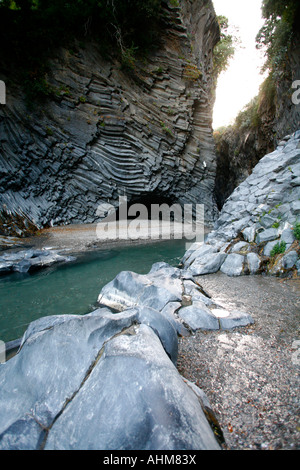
[151,345]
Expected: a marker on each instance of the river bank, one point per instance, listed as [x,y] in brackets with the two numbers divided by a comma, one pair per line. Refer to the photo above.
[87,237]
[251,375]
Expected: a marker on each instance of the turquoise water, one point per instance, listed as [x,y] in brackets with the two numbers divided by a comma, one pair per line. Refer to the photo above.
[73,288]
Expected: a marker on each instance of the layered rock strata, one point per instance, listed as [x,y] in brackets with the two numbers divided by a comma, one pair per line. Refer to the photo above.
[257,228]
[107,132]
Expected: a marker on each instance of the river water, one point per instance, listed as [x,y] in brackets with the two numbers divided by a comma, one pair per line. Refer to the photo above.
[73,288]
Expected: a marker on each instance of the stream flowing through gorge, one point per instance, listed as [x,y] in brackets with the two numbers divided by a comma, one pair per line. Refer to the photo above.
[73,288]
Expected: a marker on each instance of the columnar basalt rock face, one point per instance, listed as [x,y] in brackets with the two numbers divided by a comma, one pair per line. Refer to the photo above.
[257,228]
[107,131]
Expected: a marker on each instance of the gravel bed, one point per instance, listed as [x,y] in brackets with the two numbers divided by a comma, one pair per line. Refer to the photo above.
[251,375]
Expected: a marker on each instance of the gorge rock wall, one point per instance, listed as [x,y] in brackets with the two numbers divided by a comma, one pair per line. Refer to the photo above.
[258,228]
[107,132]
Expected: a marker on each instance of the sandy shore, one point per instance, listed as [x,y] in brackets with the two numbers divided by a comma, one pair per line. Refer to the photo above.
[78,238]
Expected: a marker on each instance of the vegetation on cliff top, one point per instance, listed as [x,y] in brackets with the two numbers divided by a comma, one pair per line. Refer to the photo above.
[282,19]
[224,49]
[31,29]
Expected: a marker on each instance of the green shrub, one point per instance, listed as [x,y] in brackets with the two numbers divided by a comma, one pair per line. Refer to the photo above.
[276,224]
[31,30]
[278,249]
[224,49]
[297,230]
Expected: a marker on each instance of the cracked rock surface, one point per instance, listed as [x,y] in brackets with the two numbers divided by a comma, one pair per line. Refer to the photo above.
[100,381]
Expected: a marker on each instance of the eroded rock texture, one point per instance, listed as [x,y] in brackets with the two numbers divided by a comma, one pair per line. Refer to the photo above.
[106,131]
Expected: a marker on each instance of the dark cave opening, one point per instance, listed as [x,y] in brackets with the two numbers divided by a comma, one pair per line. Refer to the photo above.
[148,205]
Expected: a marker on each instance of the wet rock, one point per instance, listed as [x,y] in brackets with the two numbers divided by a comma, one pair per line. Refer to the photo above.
[24,261]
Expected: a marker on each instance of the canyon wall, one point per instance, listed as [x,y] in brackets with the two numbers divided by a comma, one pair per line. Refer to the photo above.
[106,131]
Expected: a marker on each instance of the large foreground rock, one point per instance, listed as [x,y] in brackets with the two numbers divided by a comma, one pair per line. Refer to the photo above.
[100,381]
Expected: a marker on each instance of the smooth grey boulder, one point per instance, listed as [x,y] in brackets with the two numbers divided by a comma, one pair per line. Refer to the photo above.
[205,249]
[236,319]
[199,317]
[207,264]
[240,246]
[163,327]
[134,399]
[288,237]
[55,358]
[169,312]
[233,265]
[267,235]
[194,247]
[289,260]
[98,382]
[155,289]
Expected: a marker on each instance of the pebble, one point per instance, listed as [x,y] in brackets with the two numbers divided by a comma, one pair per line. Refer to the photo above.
[251,375]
